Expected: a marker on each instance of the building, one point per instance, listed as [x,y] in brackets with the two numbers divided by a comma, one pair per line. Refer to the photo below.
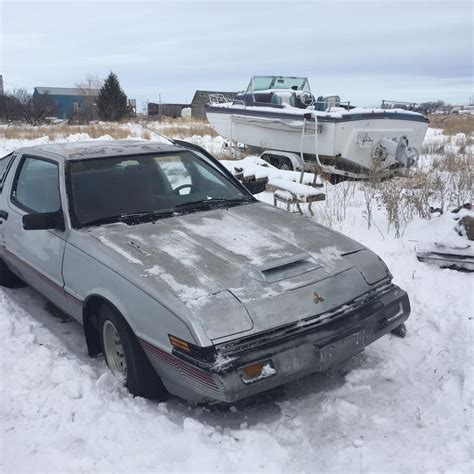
[132,106]
[201,98]
[198,105]
[71,102]
[166,110]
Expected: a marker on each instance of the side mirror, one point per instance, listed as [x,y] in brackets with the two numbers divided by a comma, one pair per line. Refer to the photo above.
[44,221]
[257,186]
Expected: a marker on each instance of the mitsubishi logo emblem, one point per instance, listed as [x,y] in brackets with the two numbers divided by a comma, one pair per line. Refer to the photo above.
[317,298]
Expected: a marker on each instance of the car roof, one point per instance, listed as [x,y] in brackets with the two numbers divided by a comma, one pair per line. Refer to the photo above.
[84,150]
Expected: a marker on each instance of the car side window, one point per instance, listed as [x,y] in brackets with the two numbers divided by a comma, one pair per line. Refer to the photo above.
[36,187]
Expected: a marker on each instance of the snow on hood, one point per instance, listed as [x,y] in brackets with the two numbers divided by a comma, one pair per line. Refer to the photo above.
[226,266]
[203,253]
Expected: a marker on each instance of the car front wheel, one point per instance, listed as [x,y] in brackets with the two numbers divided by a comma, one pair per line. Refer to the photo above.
[126,358]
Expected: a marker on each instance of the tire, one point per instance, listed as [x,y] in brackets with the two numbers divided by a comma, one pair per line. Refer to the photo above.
[278,161]
[336,179]
[8,278]
[400,331]
[126,358]
[285,164]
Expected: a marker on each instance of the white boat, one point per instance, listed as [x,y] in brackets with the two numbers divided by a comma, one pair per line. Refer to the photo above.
[280,116]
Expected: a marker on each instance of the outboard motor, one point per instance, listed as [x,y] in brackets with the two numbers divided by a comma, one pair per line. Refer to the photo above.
[395,151]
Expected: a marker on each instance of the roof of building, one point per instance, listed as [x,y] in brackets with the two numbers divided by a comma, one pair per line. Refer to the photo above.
[162,104]
[75,91]
[100,148]
[205,94]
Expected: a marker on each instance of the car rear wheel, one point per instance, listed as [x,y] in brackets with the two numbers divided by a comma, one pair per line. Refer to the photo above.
[125,356]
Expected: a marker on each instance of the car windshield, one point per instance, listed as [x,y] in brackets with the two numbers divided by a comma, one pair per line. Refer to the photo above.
[146,187]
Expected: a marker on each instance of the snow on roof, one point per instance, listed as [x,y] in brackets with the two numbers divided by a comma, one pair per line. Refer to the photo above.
[101,148]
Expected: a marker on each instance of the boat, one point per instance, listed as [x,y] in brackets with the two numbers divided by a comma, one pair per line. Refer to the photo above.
[294,129]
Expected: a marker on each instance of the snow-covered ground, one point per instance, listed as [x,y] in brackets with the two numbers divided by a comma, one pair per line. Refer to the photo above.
[404,405]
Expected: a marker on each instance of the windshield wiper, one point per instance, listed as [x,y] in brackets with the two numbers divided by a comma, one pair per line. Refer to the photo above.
[214,202]
[130,218]
[134,218]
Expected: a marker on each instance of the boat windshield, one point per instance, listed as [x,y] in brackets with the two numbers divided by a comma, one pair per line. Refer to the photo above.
[261,83]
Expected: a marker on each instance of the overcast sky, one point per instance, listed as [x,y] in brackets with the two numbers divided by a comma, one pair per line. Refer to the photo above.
[363,50]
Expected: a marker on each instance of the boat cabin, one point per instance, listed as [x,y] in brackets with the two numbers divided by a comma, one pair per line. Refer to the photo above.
[284,92]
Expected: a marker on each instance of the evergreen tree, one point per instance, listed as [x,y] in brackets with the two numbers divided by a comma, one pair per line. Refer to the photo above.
[112,101]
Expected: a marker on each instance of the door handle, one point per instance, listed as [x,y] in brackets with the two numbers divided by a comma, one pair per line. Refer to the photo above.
[3,215]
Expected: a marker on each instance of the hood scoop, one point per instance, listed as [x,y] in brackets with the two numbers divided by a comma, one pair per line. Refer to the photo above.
[288,267]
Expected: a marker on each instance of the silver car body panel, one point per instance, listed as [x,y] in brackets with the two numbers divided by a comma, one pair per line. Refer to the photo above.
[216,276]
[211,278]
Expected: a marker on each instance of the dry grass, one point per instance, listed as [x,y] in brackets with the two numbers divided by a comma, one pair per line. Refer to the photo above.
[178,128]
[447,184]
[181,132]
[452,124]
[457,175]
[444,182]
[185,127]
[54,132]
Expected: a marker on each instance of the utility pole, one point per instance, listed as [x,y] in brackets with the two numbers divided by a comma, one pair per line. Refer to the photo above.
[159,107]
[2,91]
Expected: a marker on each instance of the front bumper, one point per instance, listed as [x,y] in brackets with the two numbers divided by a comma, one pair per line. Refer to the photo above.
[292,352]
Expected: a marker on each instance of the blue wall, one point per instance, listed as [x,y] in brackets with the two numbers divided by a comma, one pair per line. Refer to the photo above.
[64,104]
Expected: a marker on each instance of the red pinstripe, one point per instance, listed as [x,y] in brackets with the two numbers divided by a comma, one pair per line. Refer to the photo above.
[198,376]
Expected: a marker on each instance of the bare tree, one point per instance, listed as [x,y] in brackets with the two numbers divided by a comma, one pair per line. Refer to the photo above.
[33,109]
[89,83]
[88,90]
[9,108]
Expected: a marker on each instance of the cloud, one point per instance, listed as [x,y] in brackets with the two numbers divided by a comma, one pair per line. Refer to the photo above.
[364,49]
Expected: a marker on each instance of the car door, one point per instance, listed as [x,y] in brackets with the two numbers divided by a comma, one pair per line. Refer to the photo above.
[36,255]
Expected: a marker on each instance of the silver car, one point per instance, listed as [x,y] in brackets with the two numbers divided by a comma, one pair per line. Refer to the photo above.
[181,278]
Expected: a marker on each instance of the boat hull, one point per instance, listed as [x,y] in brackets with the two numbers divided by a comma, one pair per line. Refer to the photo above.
[349,138]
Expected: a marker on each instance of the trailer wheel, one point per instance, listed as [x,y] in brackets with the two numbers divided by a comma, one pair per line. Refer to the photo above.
[285,164]
[337,178]
[278,161]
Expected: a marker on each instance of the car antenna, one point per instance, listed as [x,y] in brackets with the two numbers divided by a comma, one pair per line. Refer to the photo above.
[147,127]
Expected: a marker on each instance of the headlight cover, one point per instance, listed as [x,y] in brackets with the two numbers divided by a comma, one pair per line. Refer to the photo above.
[370,266]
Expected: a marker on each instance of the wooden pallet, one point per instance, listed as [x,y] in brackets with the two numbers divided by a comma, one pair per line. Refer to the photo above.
[288,192]
[290,196]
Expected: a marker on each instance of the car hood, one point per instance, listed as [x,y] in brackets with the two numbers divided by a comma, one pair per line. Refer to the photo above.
[222,265]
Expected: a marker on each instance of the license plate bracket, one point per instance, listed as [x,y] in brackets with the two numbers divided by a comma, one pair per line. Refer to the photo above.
[337,351]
